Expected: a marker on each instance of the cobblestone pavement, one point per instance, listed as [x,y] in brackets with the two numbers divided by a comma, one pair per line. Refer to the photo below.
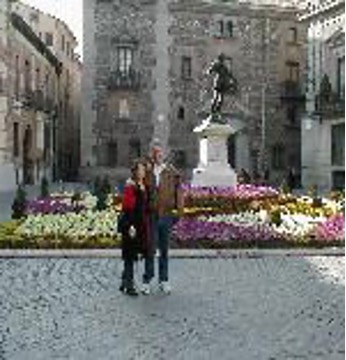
[269,308]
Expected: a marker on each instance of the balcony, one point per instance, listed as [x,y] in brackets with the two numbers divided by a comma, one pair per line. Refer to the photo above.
[331,106]
[291,91]
[120,80]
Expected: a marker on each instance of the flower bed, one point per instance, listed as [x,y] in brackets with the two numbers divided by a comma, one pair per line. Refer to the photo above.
[258,216]
[213,200]
[243,216]
[70,230]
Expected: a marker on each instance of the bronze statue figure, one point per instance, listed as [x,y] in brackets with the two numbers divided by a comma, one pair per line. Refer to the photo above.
[224,83]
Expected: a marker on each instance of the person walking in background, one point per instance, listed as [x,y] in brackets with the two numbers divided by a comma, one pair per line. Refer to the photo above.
[291,179]
[134,225]
[244,177]
[166,199]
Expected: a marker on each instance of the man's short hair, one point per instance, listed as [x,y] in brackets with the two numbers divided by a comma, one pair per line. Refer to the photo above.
[156,143]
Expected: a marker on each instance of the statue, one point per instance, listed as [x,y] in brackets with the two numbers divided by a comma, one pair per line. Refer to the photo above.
[224,83]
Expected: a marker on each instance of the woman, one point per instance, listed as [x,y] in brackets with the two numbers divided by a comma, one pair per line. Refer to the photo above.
[135,224]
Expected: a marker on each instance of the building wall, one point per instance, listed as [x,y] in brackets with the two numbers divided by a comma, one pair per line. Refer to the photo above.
[63,46]
[7,173]
[25,154]
[325,45]
[165,33]
[317,154]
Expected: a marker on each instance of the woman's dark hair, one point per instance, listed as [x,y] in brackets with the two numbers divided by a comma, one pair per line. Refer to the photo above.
[134,167]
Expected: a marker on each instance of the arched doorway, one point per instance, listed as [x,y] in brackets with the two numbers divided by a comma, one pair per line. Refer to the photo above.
[28,164]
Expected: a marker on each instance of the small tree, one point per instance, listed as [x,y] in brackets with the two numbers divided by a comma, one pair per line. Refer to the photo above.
[97,185]
[106,186]
[19,203]
[44,188]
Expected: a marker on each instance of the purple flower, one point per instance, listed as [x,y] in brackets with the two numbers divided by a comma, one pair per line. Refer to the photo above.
[191,231]
[333,229]
[51,205]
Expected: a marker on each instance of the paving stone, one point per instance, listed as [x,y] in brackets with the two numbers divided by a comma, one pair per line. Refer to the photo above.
[234,308]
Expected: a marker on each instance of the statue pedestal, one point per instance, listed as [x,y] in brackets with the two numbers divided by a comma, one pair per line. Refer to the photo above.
[213,168]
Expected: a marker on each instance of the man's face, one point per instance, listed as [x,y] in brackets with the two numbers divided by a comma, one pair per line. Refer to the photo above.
[157,155]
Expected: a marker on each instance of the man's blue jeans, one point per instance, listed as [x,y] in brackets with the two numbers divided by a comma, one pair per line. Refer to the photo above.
[162,227]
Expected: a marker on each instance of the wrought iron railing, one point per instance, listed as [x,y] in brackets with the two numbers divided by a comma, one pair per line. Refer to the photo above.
[124,80]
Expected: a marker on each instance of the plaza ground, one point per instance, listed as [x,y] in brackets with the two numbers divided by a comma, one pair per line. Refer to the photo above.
[241,308]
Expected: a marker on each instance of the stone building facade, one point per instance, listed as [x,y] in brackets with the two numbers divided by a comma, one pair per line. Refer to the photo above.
[323,127]
[30,74]
[60,40]
[146,76]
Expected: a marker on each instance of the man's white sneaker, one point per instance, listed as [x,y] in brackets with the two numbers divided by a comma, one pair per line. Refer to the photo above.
[145,289]
[165,287]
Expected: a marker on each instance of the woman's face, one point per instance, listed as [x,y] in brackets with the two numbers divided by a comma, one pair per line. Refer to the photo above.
[148,166]
[141,171]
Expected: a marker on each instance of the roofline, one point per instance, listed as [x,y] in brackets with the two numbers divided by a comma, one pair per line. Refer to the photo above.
[307,16]
[19,24]
[62,22]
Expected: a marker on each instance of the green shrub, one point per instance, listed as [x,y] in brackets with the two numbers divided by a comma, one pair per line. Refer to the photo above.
[19,203]
[44,188]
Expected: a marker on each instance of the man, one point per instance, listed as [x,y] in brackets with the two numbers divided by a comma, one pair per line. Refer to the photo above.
[166,200]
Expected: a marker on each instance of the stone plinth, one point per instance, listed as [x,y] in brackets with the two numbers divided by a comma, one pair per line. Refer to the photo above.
[213,168]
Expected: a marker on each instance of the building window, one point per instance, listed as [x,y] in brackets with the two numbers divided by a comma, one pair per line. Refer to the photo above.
[180,159]
[46,142]
[338,178]
[293,71]
[112,153]
[181,113]
[15,139]
[186,67]
[16,78]
[230,28]
[49,39]
[124,111]
[34,17]
[124,59]
[134,149]
[292,35]
[62,43]
[338,144]
[37,79]
[278,157]
[292,114]
[27,76]
[341,77]
[1,83]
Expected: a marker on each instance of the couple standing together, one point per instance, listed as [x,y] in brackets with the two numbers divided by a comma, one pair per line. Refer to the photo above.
[151,201]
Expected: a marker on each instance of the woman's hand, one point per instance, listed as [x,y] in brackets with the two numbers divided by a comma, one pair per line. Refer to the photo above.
[132,232]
